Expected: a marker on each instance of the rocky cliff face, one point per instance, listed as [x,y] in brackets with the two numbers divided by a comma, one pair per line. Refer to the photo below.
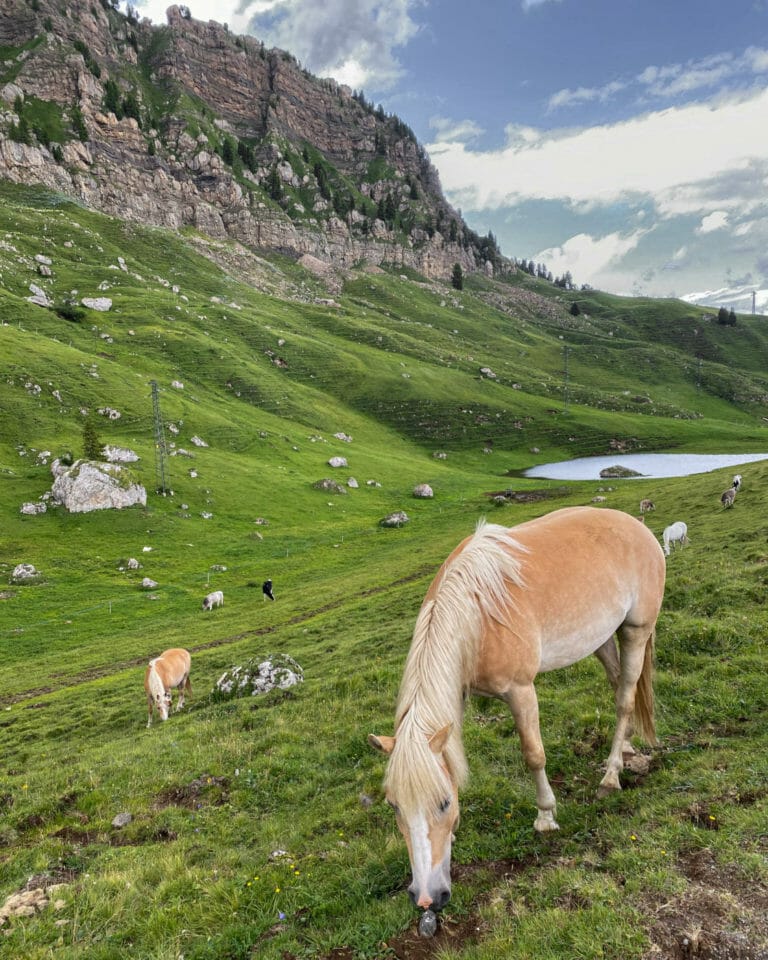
[188,125]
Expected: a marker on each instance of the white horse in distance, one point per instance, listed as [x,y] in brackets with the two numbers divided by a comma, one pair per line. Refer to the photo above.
[673,534]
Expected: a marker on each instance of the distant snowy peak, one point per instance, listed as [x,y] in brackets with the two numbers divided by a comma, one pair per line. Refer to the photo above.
[736,298]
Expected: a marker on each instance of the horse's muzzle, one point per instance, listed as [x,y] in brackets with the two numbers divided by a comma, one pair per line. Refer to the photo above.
[438,901]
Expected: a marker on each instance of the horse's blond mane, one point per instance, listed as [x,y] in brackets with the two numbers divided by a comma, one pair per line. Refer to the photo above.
[155,681]
[439,669]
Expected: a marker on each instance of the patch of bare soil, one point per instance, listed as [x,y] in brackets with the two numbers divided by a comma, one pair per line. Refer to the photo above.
[203,791]
[451,931]
[720,916]
[527,496]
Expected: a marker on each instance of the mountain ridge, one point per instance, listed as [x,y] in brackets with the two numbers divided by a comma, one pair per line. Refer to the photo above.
[189,126]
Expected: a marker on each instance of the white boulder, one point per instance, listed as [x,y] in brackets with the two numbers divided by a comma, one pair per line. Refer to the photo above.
[89,485]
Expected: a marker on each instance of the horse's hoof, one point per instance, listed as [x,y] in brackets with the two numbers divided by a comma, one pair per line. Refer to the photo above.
[545,822]
[606,789]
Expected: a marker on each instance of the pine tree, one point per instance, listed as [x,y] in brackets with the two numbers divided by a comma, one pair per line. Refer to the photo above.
[228,151]
[274,185]
[457,277]
[93,448]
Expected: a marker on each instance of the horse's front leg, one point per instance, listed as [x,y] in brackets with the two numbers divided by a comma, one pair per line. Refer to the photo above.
[523,703]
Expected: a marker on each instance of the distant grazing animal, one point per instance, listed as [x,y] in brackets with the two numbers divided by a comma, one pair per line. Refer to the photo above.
[215,599]
[728,497]
[646,506]
[736,481]
[168,671]
[675,533]
[506,605]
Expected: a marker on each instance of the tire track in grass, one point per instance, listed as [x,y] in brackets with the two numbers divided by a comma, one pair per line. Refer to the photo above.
[97,673]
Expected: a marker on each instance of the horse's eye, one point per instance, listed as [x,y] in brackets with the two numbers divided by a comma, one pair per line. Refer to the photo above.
[445,804]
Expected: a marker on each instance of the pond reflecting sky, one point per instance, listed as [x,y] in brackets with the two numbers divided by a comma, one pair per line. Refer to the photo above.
[648,464]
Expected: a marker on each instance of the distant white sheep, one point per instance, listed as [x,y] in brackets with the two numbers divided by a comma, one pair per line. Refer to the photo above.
[215,599]
[675,533]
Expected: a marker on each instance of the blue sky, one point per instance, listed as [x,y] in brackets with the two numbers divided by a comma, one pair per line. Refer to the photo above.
[624,141]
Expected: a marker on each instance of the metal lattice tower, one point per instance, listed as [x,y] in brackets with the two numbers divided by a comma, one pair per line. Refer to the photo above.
[161,451]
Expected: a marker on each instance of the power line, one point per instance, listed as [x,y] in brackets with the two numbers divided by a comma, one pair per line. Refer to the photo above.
[161,451]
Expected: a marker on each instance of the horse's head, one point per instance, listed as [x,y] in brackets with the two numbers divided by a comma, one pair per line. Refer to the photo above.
[421,790]
[162,703]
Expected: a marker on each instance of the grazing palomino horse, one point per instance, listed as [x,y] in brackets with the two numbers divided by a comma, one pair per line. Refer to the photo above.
[169,670]
[506,605]
[673,534]
[646,506]
[728,497]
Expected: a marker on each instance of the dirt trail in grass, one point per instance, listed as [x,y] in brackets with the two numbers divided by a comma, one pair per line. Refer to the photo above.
[96,673]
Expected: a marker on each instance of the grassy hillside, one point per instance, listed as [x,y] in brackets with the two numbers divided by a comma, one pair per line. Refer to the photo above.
[675,866]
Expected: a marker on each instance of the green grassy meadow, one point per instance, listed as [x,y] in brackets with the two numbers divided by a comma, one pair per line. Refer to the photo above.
[258,826]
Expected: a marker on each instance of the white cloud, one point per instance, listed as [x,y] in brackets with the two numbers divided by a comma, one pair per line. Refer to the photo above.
[530,4]
[673,157]
[713,221]
[455,130]
[673,80]
[567,98]
[353,41]
[587,256]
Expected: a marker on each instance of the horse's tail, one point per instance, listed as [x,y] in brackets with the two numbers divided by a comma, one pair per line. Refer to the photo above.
[645,723]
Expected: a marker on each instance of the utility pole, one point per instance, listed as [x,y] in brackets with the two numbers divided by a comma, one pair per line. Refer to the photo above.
[161,451]
[753,303]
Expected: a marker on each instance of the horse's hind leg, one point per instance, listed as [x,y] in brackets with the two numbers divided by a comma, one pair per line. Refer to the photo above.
[183,686]
[633,641]
[608,655]
[523,703]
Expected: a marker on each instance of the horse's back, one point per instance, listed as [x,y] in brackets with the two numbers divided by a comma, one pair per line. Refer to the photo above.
[585,571]
[173,664]
[577,535]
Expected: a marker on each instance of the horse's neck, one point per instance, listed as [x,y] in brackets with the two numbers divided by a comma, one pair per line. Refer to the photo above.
[157,682]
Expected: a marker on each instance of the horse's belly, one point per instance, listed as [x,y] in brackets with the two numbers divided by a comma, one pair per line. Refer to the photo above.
[562,645]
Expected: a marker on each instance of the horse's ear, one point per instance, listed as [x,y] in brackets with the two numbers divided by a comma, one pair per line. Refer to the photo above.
[382,744]
[438,740]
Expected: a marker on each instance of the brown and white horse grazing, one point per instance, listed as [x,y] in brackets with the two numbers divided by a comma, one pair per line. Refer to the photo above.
[646,506]
[506,605]
[169,670]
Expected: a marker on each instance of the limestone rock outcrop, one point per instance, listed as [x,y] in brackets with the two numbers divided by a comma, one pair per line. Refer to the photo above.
[90,485]
[264,161]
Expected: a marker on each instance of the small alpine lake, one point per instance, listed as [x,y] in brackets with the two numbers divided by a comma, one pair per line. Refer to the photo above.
[646,465]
